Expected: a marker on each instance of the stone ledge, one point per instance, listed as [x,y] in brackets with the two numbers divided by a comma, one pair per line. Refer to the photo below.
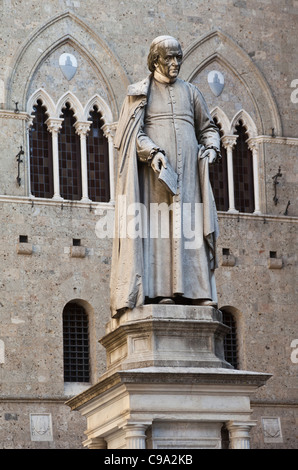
[275,263]
[194,377]
[78,252]
[24,249]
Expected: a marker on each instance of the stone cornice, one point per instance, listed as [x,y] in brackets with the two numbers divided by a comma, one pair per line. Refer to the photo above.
[58,203]
[267,139]
[170,376]
[6,114]
[111,205]
[261,217]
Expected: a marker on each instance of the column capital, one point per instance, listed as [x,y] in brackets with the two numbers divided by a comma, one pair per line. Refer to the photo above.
[54,124]
[82,127]
[239,432]
[109,130]
[135,435]
[252,143]
[95,443]
[229,140]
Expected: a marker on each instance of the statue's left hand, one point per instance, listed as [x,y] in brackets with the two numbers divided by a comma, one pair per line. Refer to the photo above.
[158,161]
[211,154]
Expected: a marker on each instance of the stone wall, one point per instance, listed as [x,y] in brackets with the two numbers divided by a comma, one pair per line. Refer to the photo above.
[253,44]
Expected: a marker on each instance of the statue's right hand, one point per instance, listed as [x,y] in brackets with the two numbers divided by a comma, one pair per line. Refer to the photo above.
[158,161]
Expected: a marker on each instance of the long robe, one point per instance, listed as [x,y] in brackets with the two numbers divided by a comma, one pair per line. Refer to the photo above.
[174,118]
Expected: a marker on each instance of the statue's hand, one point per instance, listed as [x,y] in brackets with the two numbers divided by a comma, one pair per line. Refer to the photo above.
[158,161]
[211,154]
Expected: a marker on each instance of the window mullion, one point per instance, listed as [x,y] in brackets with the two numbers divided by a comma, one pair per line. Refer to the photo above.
[82,128]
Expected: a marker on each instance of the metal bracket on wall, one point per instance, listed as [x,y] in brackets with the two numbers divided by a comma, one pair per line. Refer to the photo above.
[18,157]
[275,183]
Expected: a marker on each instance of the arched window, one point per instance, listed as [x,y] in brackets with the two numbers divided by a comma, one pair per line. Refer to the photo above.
[41,163]
[219,178]
[71,154]
[69,158]
[97,160]
[230,340]
[76,343]
[243,172]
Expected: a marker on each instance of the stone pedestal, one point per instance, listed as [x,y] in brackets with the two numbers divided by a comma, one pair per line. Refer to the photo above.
[167,384]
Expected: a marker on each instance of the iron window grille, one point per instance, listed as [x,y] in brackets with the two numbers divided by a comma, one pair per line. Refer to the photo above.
[243,172]
[230,340]
[218,174]
[75,344]
[69,158]
[97,160]
[41,164]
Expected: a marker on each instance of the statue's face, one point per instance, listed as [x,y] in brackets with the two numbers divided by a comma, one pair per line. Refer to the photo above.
[170,59]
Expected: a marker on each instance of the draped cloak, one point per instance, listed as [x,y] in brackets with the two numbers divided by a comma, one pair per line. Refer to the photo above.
[174,118]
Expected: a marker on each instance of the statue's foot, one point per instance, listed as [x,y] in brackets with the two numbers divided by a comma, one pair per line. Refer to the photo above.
[166,301]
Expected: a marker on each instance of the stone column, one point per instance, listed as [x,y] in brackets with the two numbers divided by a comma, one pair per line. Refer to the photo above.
[109,132]
[239,434]
[95,443]
[253,146]
[54,126]
[135,435]
[228,142]
[28,127]
[82,128]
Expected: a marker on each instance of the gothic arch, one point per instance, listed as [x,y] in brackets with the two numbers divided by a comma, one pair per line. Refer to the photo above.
[103,108]
[47,101]
[75,106]
[61,29]
[218,46]
[222,119]
[248,123]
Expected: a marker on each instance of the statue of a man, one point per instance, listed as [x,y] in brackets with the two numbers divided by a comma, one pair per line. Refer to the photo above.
[165,123]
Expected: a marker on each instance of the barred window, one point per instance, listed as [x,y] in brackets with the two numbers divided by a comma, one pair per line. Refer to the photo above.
[219,178]
[243,172]
[69,158]
[97,160]
[230,340]
[75,344]
[41,164]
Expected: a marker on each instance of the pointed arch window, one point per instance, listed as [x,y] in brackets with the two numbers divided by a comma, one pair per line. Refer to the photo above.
[76,343]
[69,157]
[219,177]
[243,172]
[97,160]
[41,161]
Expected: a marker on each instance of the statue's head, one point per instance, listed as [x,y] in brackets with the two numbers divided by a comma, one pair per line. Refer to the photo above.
[165,56]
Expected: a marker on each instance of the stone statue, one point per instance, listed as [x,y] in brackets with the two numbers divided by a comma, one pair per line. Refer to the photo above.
[164,126]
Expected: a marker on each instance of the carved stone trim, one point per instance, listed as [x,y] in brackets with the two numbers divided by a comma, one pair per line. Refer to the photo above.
[267,139]
[21,116]
[82,127]
[54,124]
[229,140]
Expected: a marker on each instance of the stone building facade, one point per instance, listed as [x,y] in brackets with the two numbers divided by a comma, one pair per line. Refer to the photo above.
[71,61]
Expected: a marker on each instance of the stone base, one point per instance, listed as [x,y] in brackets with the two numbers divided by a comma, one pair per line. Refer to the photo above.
[167,384]
[166,336]
[169,408]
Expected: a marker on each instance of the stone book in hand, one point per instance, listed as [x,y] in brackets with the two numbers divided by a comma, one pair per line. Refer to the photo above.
[169,178]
